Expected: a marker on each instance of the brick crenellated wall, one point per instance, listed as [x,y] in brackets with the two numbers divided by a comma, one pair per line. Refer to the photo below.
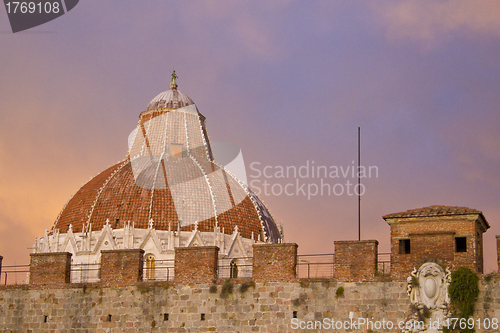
[275,262]
[355,261]
[121,267]
[268,303]
[196,265]
[50,268]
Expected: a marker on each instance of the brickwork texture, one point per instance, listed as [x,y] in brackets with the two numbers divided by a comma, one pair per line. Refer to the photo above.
[196,265]
[433,238]
[50,268]
[274,262]
[121,267]
[355,261]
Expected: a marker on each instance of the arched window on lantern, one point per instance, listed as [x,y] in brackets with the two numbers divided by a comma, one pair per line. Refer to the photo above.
[233,270]
[150,267]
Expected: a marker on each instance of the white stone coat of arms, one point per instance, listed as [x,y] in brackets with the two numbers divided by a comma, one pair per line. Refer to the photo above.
[428,292]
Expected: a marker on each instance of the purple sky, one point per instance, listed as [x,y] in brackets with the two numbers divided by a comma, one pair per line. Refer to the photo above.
[288,81]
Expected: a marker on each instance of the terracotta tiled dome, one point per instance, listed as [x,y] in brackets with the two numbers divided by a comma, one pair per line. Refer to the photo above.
[169,177]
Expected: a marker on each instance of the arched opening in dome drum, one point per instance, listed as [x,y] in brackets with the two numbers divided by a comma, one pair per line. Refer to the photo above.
[233,270]
[150,267]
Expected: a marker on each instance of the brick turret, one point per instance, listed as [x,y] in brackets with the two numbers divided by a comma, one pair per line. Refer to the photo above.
[452,235]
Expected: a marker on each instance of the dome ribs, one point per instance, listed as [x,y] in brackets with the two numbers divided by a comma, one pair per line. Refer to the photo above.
[121,199]
[169,176]
[210,188]
[169,99]
[77,209]
[100,192]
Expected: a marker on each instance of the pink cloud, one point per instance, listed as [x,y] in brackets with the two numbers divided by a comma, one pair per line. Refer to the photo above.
[425,21]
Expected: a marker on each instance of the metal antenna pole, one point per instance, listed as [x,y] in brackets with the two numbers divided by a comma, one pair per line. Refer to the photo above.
[359,184]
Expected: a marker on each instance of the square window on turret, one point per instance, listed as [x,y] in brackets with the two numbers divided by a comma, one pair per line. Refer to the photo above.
[404,246]
[460,244]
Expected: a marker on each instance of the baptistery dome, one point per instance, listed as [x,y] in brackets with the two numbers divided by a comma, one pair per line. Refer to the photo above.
[168,192]
[170,179]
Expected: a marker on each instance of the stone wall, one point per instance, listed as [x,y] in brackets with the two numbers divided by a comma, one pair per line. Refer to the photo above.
[241,306]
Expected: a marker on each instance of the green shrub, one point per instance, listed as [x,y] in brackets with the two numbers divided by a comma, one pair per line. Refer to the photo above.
[340,291]
[489,277]
[463,291]
[245,286]
[213,289]
[227,289]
